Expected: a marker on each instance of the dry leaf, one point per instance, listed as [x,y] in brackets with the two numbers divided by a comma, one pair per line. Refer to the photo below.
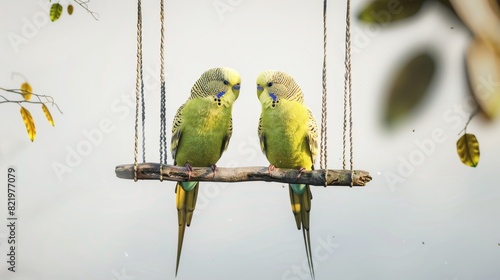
[47,114]
[29,122]
[55,11]
[26,91]
[70,9]
[483,68]
[409,87]
[468,149]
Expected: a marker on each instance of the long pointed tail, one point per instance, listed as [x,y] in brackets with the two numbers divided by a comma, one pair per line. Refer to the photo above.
[185,202]
[301,206]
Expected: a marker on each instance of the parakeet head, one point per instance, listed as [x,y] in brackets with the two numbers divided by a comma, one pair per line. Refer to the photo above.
[274,85]
[222,84]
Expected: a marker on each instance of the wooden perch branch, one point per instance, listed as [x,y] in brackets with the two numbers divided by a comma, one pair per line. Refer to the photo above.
[151,171]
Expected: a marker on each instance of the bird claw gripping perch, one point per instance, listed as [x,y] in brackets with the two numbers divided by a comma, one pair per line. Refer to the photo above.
[214,169]
[189,170]
[270,169]
[301,170]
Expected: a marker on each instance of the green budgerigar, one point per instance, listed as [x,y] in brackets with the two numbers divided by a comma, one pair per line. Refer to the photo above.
[201,131]
[289,138]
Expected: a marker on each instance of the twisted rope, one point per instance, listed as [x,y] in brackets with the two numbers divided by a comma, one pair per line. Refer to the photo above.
[348,94]
[143,105]
[323,147]
[138,83]
[163,126]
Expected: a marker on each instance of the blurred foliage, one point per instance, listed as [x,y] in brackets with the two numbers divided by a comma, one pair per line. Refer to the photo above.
[388,11]
[483,70]
[409,88]
[410,84]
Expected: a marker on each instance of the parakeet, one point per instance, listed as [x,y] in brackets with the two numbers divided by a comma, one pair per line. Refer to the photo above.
[201,131]
[288,136]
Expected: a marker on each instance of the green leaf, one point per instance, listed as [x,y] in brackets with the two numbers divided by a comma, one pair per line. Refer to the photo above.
[468,149]
[409,87]
[388,11]
[55,11]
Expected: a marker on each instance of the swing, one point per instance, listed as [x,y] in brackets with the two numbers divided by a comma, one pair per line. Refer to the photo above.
[321,177]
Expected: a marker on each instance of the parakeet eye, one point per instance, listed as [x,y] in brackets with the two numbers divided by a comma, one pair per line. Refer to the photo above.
[270,84]
[226,82]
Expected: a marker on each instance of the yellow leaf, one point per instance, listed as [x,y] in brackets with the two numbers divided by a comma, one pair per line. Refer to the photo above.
[29,122]
[483,68]
[47,114]
[55,11]
[26,91]
[468,149]
[70,9]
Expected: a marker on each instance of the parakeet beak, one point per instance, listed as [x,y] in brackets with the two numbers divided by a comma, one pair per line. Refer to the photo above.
[236,87]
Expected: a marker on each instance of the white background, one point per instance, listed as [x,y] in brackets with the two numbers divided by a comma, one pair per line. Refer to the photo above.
[439,221]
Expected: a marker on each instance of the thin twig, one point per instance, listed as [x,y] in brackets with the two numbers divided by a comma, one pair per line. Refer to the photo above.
[83,4]
[49,99]
[470,119]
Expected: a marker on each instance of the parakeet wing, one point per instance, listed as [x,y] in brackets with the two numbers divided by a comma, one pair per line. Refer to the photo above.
[262,137]
[225,141]
[176,131]
[312,135]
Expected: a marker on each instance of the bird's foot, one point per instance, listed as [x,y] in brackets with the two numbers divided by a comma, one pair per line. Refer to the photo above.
[301,170]
[214,169]
[189,170]
[270,168]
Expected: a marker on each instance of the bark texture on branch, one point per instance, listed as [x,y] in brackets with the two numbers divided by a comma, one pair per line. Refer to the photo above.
[151,171]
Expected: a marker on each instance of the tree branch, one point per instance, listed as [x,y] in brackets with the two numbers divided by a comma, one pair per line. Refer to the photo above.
[151,171]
